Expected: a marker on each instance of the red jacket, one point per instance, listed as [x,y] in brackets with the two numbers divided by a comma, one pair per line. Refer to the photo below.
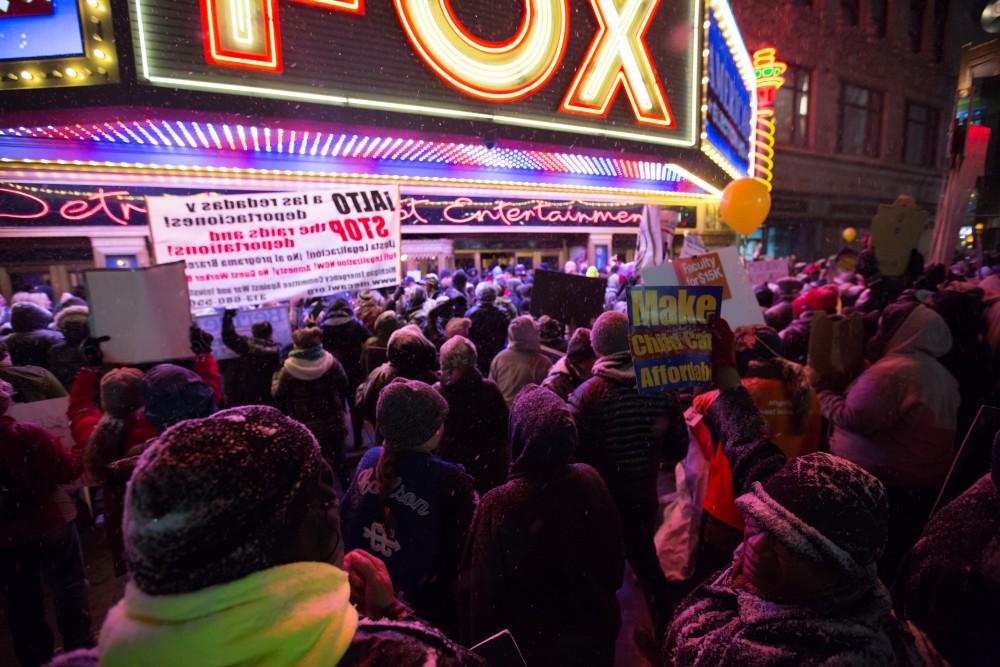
[32,465]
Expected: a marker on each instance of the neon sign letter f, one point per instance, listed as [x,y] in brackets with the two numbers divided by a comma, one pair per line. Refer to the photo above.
[617,58]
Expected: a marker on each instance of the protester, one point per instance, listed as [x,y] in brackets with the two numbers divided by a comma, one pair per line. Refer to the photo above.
[38,538]
[457,326]
[369,308]
[475,432]
[249,573]
[65,358]
[802,588]
[31,383]
[522,363]
[313,388]
[410,355]
[31,339]
[574,368]
[489,326]
[516,574]
[344,337]
[897,420]
[949,586]
[407,506]
[248,381]
[626,435]
[373,352]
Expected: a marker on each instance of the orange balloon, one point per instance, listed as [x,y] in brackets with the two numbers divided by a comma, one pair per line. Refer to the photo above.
[850,234]
[745,205]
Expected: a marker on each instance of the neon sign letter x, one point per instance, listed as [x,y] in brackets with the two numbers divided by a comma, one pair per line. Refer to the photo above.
[618,58]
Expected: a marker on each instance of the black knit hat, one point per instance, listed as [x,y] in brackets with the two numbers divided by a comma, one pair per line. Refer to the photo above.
[610,333]
[542,431]
[579,346]
[408,413]
[211,500]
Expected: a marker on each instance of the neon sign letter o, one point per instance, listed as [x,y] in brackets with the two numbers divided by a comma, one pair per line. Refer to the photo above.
[494,71]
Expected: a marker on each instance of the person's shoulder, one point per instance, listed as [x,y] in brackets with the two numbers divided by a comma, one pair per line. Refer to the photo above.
[404,644]
[370,459]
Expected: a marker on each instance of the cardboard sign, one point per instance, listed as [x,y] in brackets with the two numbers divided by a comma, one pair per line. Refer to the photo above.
[767,271]
[837,347]
[570,299]
[49,414]
[244,320]
[693,245]
[703,270]
[145,312]
[896,229]
[669,338]
[740,308]
[247,249]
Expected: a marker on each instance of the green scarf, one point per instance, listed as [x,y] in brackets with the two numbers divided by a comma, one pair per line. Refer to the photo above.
[297,614]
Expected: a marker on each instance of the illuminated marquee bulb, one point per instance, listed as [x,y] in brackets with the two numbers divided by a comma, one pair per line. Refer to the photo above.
[769,78]
[495,71]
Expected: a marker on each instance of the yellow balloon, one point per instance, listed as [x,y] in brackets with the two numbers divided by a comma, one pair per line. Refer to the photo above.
[850,234]
[745,205]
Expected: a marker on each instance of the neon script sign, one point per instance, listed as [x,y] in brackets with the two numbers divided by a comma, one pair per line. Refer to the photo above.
[246,34]
[467,211]
[107,204]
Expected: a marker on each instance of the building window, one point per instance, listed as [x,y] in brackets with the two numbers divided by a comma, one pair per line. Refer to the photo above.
[792,107]
[941,8]
[849,11]
[879,14]
[916,26]
[860,121]
[921,139]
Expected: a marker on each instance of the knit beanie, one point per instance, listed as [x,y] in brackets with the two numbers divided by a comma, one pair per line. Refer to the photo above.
[211,499]
[579,346]
[549,328]
[756,343]
[457,326]
[122,391]
[826,509]
[523,333]
[410,352]
[458,352]
[486,292]
[543,433]
[610,334]
[174,394]
[71,315]
[823,298]
[408,413]
[387,323]
[306,339]
[6,396]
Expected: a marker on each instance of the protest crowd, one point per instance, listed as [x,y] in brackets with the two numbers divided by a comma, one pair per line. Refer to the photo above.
[421,468]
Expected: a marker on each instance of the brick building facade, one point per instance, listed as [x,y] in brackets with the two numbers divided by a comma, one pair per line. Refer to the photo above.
[864,113]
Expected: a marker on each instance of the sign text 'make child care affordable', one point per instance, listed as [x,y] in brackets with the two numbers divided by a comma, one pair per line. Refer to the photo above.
[669,338]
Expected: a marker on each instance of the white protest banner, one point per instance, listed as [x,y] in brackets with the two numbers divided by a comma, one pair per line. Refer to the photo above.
[145,312]
[49,414]
[720,267]
[693,245]
[247,249]
[767,271]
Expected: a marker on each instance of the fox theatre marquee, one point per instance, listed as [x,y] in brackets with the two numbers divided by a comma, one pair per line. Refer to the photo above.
[625,103]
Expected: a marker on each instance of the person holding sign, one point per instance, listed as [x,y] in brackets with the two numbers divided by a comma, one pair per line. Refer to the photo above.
[626,434]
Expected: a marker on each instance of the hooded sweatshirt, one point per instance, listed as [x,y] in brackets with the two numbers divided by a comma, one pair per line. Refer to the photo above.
[897,420]
[29,344]
[520,364]
[410,355]
[515,572]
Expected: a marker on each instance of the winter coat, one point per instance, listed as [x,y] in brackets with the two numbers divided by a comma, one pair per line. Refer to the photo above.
[411,356]
[32,383]
[625,435]
[544,559]
[85,412]
[30,341]
[367,313]
[65,360]
[514,368]
[313,392]
[343,337]
[432,503]
[32,465]
[897,420]
[294,614]
[563,379]
[248,380]
[722,624]
[949,586]
[488,332]
[475,432]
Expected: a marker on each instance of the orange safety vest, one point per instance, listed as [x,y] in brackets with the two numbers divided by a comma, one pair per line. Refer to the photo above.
[775,406]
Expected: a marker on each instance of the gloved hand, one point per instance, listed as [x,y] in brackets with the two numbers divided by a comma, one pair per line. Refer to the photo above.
[201,340]
[90,348]
[723,354]
[229,314]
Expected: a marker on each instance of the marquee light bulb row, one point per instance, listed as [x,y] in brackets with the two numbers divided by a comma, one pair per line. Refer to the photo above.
[170,134]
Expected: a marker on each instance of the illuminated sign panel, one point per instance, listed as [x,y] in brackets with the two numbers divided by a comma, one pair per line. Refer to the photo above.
[56,43]
[620,69]
[729,99]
